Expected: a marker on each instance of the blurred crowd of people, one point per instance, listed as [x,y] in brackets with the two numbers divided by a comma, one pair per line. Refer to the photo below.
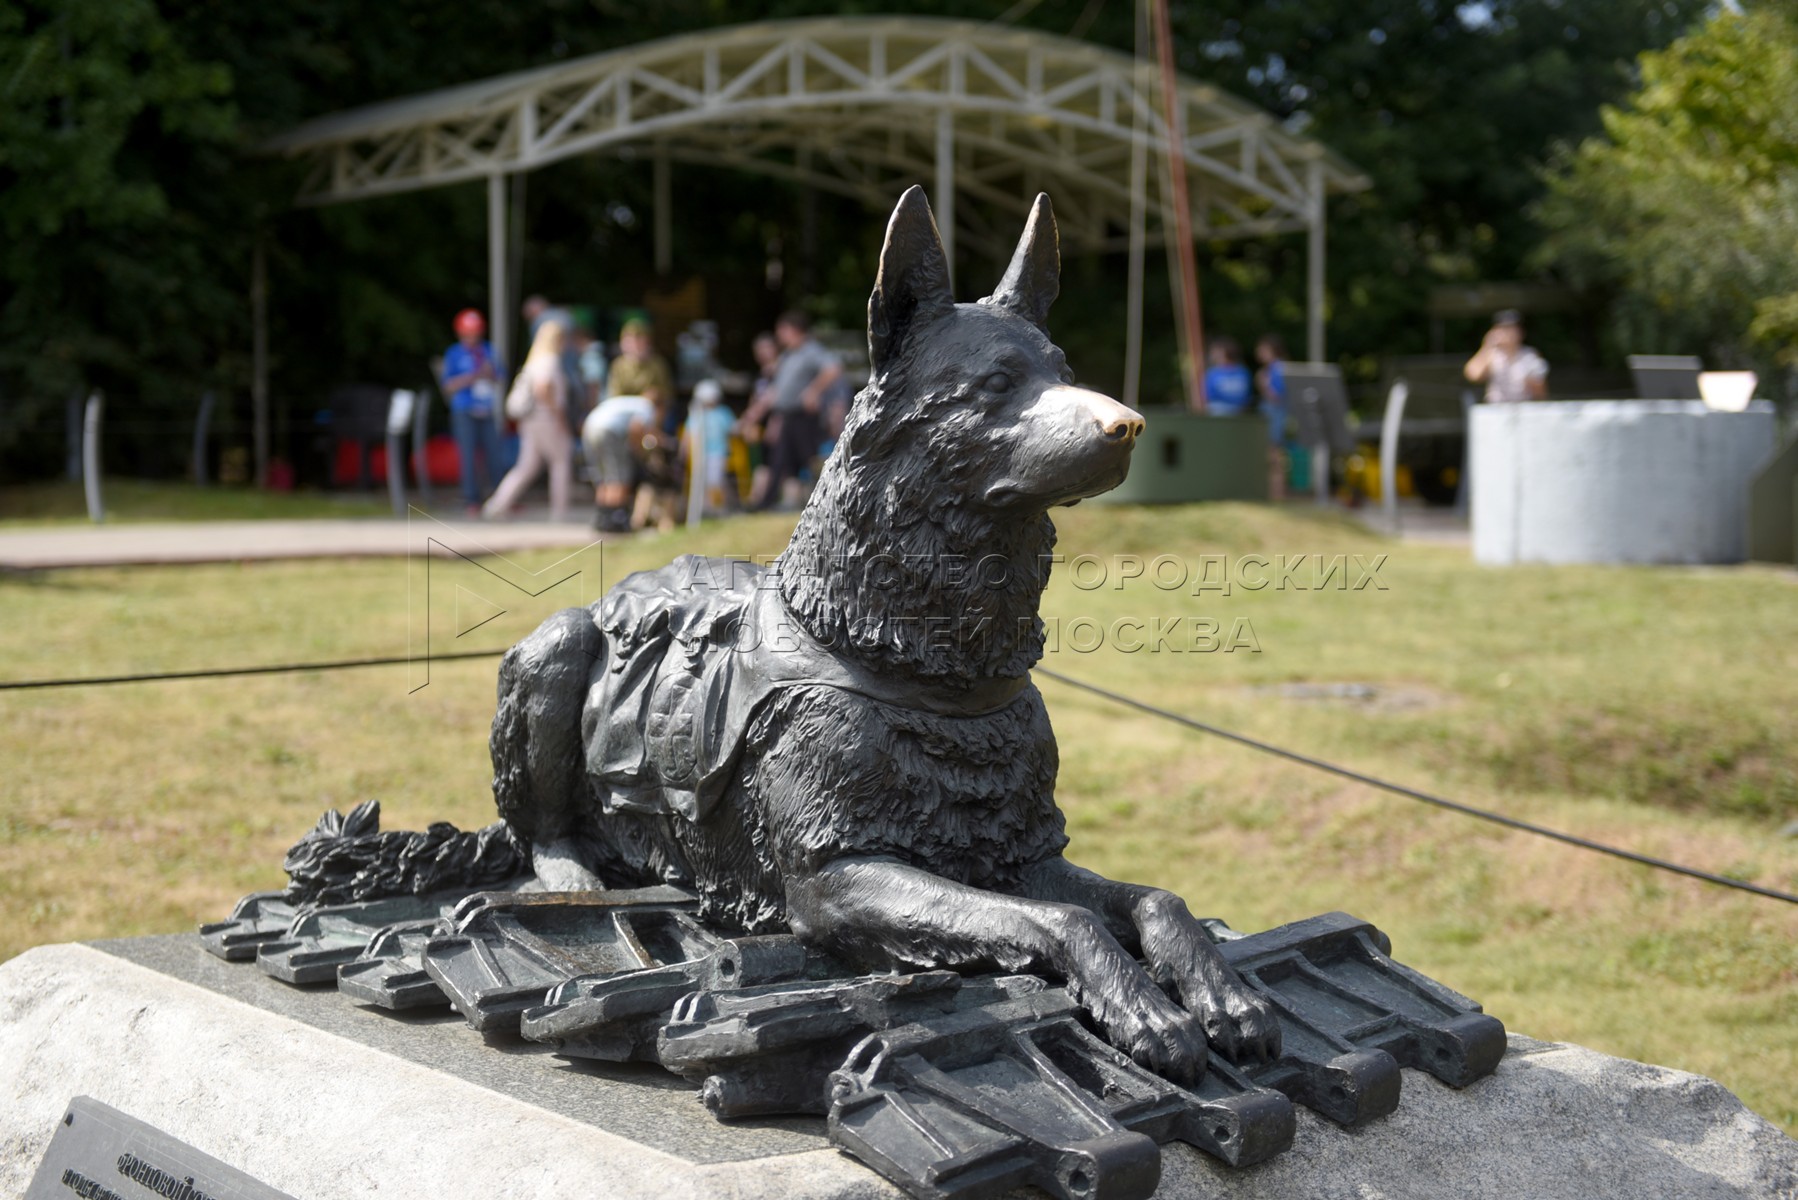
[1232,389]
[1505,370]
[640,432]
[643,433]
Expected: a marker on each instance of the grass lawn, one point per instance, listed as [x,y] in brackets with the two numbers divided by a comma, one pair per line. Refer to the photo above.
[62,502]
[1650,708]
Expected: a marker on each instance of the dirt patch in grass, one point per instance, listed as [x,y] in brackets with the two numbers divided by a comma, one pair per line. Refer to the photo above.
[1364,697]
[1679,760]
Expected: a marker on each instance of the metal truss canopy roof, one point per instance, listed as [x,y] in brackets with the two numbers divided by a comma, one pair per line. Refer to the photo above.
[857,105]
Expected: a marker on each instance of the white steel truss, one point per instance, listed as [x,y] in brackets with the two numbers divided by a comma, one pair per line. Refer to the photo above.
[862,106]
[853,105]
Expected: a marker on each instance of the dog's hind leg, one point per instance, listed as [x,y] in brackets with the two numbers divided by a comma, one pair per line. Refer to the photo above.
[539,768]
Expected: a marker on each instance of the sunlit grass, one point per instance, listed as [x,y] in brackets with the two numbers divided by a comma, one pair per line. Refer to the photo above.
[1649,708]
[128,501]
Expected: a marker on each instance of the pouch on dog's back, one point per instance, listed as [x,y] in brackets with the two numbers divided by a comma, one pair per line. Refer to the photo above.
[690,651]
[655,719]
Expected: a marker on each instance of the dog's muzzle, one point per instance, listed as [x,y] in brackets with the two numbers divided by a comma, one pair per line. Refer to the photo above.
[1115,423]
[1075,443]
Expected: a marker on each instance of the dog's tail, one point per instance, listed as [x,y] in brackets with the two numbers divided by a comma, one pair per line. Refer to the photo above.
[538,769]
[346,859]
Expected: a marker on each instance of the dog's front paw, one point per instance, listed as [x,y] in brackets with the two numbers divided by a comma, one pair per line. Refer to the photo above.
[1139,1019]
[1240,1023]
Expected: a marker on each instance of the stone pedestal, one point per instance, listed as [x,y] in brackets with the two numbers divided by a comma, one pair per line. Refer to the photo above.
[1614,481]
[320,1098]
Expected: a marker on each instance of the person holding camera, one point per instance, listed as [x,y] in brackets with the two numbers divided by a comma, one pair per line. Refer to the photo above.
[1511,371]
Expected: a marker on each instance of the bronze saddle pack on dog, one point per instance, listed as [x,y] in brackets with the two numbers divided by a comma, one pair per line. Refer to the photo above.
[690,650]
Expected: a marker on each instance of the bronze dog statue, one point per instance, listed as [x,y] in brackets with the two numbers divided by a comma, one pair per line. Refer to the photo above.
[848,743]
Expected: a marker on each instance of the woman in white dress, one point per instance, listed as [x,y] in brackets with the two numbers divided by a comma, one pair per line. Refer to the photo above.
[543,432]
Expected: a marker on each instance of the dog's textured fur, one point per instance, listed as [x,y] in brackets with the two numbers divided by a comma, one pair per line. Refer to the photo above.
[885,831]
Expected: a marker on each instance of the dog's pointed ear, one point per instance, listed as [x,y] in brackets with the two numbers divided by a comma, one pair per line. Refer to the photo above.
[912,288]
[1033,279]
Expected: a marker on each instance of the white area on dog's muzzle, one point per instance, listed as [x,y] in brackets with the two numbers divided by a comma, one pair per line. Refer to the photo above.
[1064,398]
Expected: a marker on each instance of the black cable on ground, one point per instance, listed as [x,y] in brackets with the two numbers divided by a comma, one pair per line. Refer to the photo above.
[1411,793]
[16,685]
[1399,789]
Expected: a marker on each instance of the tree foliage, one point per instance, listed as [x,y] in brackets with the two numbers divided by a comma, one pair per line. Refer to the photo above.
[1450,108]
[130,193]
[1688,202]
[107,123]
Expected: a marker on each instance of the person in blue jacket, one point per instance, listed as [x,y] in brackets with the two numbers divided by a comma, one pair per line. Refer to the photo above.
[1270,382]
[472,379]
[1229,388]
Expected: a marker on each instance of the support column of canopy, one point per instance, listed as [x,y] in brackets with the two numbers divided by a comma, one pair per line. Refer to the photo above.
[1314,264]
[515,233]
[1174,115]
[808,222]
[945,186]
[664,206]
[499,305]
[1139,185]
[259,419]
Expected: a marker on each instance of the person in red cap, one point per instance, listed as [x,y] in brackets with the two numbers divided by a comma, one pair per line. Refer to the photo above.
[472,375]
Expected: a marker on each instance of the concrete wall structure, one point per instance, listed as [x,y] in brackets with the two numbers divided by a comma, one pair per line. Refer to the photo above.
[1183,457]
[1614,481]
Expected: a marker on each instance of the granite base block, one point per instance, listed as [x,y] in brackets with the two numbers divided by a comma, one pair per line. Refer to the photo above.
[319,1097]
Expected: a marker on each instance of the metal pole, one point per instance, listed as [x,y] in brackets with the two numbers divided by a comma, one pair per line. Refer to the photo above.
[664,206]
[259,357]
[945,186]
[1170,250]
[1464,485]
[498,307]
[72,435]
[515,218]
[1314,300]
[1176,166]
[421,432]
[90,457]
[696,487]
[396,472]
[808,223]
[1389,431]
[202,425]
[402,405]
[1139,186]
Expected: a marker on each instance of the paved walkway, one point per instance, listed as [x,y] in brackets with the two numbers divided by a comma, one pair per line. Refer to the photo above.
[1417,523]
[232,541]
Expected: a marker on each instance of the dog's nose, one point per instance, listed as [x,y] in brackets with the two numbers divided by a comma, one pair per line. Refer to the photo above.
[1118,423]
[1115,422]
[1126,426]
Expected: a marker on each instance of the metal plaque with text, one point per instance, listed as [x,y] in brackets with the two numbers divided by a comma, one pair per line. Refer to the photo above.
[100,1153]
